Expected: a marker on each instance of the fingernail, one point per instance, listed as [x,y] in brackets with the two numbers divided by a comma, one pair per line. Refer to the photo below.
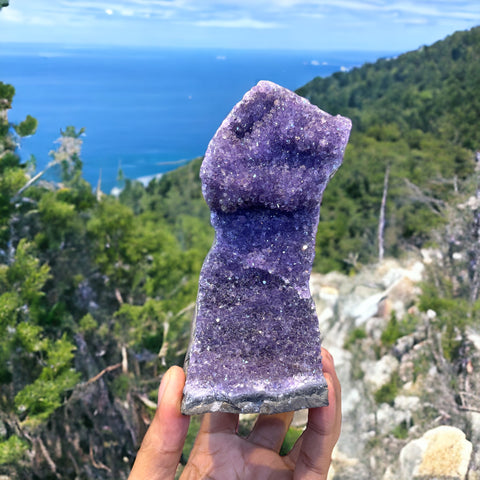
[163,385]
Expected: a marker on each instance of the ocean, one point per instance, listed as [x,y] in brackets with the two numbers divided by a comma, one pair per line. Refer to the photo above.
[144,110]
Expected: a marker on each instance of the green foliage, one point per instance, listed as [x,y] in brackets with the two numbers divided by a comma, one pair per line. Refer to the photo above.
[12,178]
[12,450]
[29,337]
[21,299]
[41,398]
[26,276]
[141,325]
[401,431]
[121,386]
[396,329]
[387,393]
[9,305]
[6,93]
[71,132]
[174,196]
[354,335]
[453,314]
[87,324]
[112,225]
[27,127]
[421,364]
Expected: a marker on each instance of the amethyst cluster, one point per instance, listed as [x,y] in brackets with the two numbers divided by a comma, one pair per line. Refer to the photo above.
[255,343]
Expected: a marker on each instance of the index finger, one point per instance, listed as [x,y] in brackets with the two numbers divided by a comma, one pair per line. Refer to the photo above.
[162,445]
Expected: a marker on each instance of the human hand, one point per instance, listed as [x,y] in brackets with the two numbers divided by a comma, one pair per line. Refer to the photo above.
[220,453]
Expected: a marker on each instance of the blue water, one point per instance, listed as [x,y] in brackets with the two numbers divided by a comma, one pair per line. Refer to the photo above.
[144,110]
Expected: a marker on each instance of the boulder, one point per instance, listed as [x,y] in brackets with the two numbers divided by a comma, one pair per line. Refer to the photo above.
[442,452]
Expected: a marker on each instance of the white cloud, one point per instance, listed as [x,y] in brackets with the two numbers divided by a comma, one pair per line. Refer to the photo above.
[247,14]
[293,23]
[420,12]
[236,23]
[468,10]
[412,21]
[160,3]
[353,5]
[475,16]
[428,10]
[12,15]
[127,12]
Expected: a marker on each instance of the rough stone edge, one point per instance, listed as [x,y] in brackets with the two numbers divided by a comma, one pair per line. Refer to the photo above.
[300,399]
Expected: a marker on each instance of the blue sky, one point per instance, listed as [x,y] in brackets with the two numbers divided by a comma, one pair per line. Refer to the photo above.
[380,25]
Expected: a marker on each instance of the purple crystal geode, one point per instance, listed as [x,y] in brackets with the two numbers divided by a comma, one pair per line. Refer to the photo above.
[255,343]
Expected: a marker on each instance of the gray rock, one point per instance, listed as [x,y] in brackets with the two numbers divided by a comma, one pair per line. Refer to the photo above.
[403,345]
[388,418]
[379,373]
[411,457]
[408,403]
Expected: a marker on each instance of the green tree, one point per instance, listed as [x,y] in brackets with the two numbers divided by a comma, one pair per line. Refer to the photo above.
[35,369]
[27,127]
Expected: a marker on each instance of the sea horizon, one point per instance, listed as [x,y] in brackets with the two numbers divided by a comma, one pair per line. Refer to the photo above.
[145,110]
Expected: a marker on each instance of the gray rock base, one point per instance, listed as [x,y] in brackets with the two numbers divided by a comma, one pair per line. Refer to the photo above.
[308,398]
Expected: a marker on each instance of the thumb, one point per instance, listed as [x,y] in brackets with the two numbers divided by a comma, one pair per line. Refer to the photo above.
[162,445]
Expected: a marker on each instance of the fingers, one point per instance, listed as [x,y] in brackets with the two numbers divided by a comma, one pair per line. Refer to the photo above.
[270,430]
[313,452]
[327,363]
[162,446]
[219,423]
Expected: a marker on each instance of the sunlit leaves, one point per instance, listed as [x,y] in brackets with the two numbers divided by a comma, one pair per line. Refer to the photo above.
[38,400]
[26,276]
[27,127]
[14,448]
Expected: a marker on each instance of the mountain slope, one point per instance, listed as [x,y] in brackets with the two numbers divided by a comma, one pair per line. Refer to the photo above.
[434,89]
[416,116]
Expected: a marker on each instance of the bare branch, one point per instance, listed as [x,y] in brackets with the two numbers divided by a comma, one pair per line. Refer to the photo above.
[103,372]
[164,349]
[119,297]
[124,359]
[98,464]
[470,402]
[146,401]
[46,455]
[434,204]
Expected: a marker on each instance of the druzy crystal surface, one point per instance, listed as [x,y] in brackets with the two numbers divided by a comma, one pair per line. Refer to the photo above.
[255,343]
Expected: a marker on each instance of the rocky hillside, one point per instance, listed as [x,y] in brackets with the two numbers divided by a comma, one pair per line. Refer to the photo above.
[408,412]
